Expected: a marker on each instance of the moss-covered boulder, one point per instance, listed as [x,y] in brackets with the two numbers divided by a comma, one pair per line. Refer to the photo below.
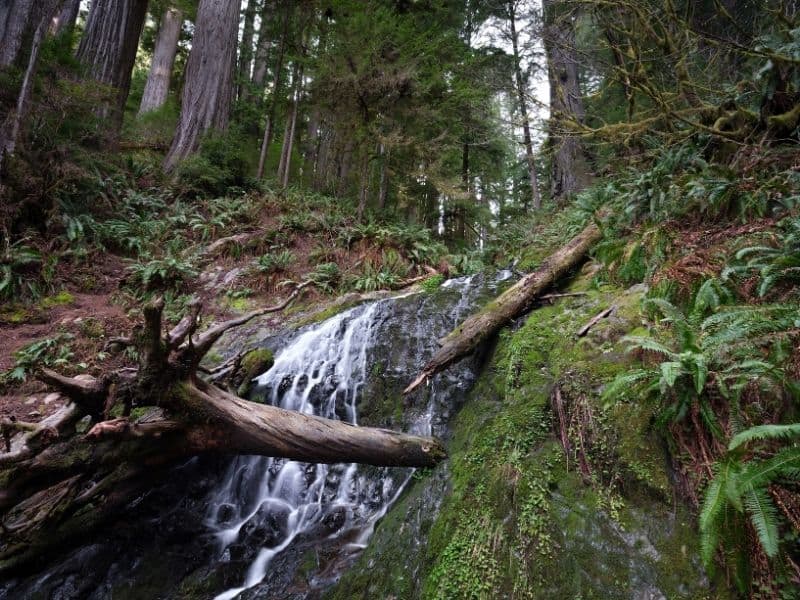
[551,491]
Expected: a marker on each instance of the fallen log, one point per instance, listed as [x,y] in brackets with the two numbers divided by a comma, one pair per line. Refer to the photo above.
[511,303]
[59,483]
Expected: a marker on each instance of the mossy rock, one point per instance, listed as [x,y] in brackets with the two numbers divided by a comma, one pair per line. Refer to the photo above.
[253,364]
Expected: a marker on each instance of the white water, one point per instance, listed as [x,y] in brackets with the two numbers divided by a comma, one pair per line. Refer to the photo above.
[269,503]
[321,372]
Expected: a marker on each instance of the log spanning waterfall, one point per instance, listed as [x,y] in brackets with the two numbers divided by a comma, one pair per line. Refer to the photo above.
[272,502]
[320,373]
[254,527]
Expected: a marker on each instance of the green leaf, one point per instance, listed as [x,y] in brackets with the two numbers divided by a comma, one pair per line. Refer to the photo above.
[764,518]
[763,432]
[670,371]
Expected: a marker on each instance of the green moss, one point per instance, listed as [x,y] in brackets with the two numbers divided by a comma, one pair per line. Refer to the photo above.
[92,328]
[62,298]
[520,518]
[431,284]
[253,364]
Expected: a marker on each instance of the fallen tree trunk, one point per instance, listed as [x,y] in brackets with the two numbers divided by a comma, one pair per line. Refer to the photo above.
[58,484]
[511,303]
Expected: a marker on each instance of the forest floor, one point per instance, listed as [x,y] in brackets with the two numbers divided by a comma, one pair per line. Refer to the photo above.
[90,301]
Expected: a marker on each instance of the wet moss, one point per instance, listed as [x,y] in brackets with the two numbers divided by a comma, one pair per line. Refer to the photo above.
[520,518]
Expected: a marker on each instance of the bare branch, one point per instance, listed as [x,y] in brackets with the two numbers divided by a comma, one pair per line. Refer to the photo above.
[204,342]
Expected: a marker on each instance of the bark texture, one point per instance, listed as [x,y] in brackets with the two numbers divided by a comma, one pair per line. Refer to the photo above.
[209,81]
[108,50]
[522,101]
[570,171]
[66,18]
[38,18]
[16,21]
[246,48]
[156,90]
[511,303]
[60,484]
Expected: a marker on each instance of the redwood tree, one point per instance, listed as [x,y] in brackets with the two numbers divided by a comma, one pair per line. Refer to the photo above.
[209,82]
[570,173]
[108,50]
[156,89]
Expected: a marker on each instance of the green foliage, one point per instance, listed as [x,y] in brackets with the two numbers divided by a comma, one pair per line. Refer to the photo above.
[274,262]
[222,162]
[386,273]
[16,265]
[433,283]
[326,277]
[168,272]
[740,488]
[48,352]
[775,266]
[723,350]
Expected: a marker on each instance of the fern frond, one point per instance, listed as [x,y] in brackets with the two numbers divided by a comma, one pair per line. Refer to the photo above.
[649,344]
[764,518]
[758,474]
[764,432]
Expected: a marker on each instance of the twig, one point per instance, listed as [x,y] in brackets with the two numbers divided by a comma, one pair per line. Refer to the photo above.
[596,319]
[565,295]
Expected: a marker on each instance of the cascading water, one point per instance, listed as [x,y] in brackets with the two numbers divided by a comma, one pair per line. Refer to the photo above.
[264,517]
[321,372]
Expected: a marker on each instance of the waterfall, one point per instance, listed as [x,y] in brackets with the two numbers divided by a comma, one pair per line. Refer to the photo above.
[320,373]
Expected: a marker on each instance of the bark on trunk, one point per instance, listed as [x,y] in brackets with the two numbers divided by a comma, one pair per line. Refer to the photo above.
[62,483]
[263,48]
[383,190]
[17,19]
[208,89]
[39,17]
[291,127]
[108,51]
[156,90]
[246,48]
[570,172]
[269,127]
[66,18]
[536,196]
[511,303]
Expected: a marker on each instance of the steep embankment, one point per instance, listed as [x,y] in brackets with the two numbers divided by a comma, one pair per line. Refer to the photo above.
[551,491]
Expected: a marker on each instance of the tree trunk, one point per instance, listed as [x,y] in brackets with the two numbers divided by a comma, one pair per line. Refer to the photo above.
[269,126]
[263,47]
[61,484]
[523,108]
[208,89]
[570,173]
[108,51]
[291,126]
[17,20]
[246,48]
[38,17]
[383,190]
[156,90]
[66,18]
[511,303]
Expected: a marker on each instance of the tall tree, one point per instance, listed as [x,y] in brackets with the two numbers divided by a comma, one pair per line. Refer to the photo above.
[209,81]
[512,13]
[108,50]
[570,173]
[246,47]
[156,90]
[263,47]
[27,16]
[269,127]
[65,19]
[17,18]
